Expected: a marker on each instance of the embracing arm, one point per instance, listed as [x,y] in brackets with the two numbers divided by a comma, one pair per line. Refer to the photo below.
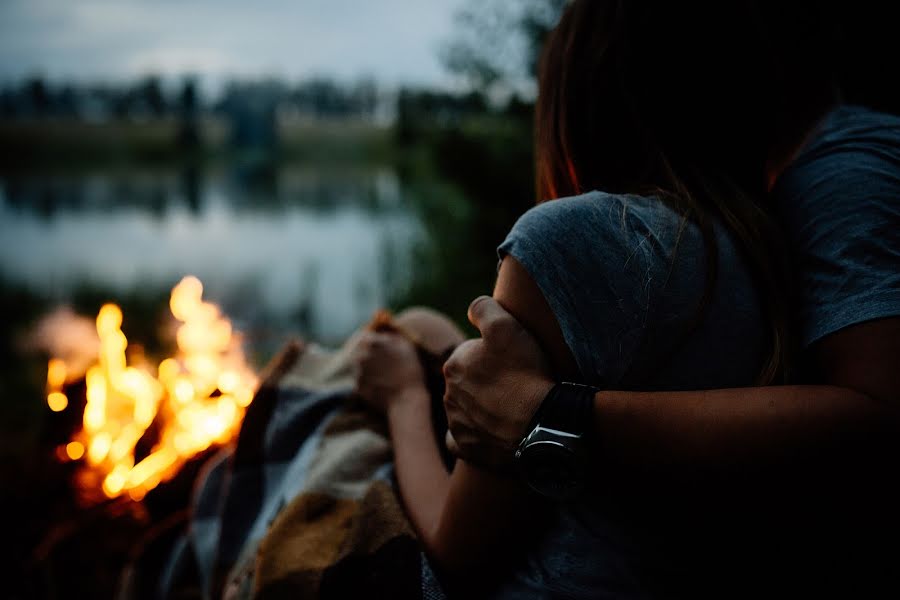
[470,517]
[812,442]
[798,478]
[758,426]
[855,412]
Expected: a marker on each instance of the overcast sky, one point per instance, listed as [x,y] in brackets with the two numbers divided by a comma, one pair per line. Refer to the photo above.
[396,41]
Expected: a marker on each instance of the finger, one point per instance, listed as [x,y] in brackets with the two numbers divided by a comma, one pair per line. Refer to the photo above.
[363,344]
[383,339]
[489,317]
[374,338]
[455,363]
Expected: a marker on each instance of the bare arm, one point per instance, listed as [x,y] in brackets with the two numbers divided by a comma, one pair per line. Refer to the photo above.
[466,520]
[755,427]
[859,367]
[470,521]
[856,411]
[472,518]
[796,478]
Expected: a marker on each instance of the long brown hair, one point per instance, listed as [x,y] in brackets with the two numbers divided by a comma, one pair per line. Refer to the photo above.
[643,96]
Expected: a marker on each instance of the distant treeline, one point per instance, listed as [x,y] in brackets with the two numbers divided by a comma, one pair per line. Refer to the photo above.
[36,97]
[319,98]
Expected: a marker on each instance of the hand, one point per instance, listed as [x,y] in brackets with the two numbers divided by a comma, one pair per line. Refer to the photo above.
[387,367]
[494,385]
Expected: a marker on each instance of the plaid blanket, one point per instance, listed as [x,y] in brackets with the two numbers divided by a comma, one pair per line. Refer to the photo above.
[305,504]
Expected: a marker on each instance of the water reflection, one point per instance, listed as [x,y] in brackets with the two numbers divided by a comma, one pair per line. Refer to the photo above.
[312,250]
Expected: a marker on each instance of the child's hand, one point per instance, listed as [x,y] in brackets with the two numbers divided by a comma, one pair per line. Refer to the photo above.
[387,367]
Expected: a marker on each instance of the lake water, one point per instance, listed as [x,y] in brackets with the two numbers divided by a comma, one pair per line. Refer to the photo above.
[310,250]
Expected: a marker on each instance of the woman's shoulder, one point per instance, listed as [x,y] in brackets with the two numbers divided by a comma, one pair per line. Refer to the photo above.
[597,207]
[619,270]
[614,220]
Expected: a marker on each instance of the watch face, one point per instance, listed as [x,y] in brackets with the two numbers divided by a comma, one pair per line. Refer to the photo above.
[552,469]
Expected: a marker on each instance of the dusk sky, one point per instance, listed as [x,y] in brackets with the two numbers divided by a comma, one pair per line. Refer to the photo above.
[395,41]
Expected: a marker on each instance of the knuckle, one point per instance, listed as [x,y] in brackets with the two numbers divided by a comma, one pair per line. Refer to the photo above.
[463,353]
[450,369]
[498,329]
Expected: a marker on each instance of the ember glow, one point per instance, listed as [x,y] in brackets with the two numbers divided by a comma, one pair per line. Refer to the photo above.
[196,399]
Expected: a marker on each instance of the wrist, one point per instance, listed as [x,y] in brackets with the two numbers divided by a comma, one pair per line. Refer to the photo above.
[535,393]
[552,457]
[410,395]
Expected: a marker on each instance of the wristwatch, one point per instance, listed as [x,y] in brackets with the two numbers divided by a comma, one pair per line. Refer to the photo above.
[552,457]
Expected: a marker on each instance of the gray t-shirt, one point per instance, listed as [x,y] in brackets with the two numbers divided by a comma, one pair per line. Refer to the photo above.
[624,301]
[625,276]
[839,203]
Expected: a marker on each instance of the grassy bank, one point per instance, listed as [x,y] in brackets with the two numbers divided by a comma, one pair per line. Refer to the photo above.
[38,144]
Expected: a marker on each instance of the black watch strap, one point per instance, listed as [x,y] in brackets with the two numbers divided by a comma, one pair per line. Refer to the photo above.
[568,407]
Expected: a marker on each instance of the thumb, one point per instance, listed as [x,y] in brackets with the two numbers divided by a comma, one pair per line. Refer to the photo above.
[489,317]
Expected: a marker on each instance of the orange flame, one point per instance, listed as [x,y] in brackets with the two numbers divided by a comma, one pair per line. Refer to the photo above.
[197,399]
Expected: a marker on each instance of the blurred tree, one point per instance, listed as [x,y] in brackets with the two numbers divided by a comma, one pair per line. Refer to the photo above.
[38,96]
[189,130]
[251,107]
[7,104]
[149,92]
[419,110]
[67,101]
[498,42]
[323,97]
[365,97]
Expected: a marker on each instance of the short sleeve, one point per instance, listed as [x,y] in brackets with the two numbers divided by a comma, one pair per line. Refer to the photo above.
[841,210]
[600,261]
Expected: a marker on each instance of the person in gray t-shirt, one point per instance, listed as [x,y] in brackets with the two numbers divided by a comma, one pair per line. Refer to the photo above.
[623,303]
[744,488]
[840,202]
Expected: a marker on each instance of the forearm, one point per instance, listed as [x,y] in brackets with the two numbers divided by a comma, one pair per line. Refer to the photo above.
[469,521]
[744,426]
[786,470]
[421,474]
[796,464]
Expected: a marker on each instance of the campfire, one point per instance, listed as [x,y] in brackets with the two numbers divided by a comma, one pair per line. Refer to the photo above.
[142,423]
